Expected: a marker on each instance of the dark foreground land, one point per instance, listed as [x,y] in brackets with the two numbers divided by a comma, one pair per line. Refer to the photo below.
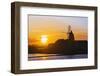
[61,46]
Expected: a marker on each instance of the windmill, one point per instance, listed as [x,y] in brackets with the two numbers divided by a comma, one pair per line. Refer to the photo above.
[70,35]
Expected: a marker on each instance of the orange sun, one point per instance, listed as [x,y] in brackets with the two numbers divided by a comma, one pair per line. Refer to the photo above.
[44,39]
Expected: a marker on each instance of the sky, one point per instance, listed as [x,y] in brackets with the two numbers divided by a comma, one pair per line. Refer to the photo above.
[55,27]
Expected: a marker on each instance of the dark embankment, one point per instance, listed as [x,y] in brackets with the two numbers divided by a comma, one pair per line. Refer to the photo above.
[61,46]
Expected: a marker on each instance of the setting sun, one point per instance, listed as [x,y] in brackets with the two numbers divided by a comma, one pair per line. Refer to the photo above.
[44,39]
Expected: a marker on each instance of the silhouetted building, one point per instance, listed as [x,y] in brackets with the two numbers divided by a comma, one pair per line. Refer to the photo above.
[70,34]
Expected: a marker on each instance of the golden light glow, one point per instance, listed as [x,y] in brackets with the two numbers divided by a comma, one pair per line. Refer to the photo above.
[44,39]
[44,30]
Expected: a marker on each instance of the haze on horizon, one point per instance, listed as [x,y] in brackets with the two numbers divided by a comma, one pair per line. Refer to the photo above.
[52,28]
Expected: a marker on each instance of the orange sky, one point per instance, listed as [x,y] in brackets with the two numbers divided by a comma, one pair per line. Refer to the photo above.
[54,26]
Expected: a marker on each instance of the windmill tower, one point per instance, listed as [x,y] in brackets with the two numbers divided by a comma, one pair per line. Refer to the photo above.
[70,34]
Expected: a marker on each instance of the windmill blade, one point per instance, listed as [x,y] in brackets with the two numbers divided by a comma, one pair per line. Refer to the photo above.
[63,32]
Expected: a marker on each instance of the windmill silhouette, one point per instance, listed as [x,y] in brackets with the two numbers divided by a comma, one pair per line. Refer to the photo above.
[70,34]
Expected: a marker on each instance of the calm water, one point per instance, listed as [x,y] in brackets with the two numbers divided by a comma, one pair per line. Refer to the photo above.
[38,56]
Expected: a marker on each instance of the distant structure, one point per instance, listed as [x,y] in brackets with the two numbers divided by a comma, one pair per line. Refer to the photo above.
[70,34]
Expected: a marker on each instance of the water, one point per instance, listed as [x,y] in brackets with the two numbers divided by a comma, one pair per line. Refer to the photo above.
[38,56]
